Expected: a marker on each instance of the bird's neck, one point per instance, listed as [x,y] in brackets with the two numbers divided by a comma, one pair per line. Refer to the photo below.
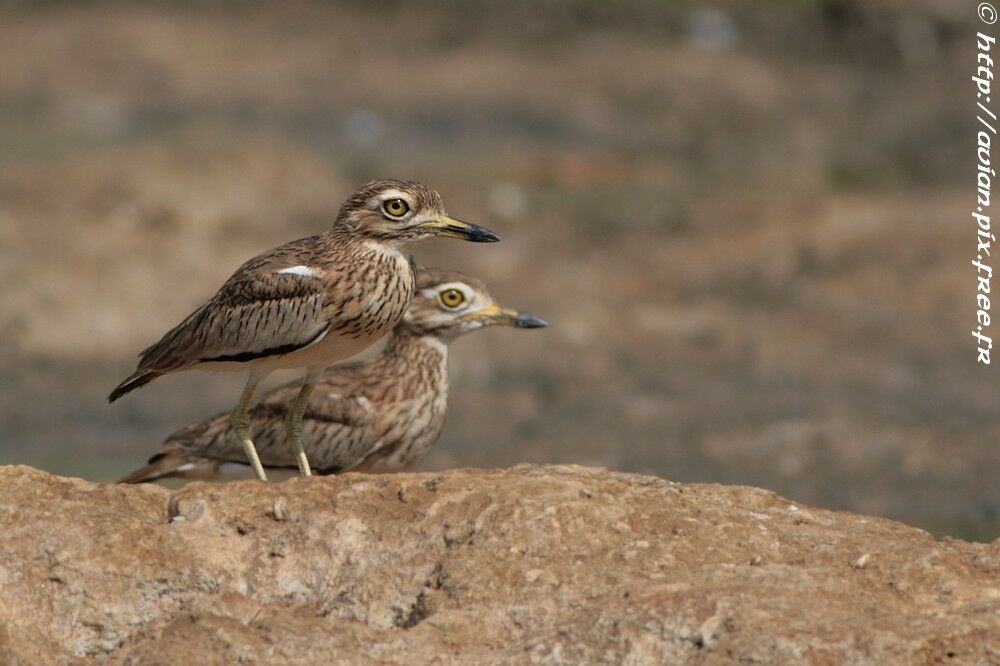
[417,365]
[412,354]
[368,242]
[416,348]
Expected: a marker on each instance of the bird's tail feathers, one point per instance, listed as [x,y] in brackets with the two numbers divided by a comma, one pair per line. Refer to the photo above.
[134,381]
[173,462]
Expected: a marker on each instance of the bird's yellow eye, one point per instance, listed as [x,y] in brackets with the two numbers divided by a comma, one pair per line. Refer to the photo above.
[451,298]
[395,208]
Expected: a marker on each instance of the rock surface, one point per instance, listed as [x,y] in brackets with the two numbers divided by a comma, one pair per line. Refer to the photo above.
[527,565]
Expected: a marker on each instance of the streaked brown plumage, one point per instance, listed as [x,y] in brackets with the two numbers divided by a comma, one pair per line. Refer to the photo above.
[311,302]
[377,416]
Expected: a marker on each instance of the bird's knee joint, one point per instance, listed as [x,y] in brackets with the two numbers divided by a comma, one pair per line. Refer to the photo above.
[240,422]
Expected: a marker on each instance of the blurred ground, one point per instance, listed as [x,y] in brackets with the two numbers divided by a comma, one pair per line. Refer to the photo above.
[746,226]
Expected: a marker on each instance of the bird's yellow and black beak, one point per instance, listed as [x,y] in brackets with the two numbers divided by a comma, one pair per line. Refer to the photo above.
[452,228]
[502,316]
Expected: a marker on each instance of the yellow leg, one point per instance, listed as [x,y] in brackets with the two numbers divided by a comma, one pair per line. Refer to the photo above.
[293,422]
[241,424]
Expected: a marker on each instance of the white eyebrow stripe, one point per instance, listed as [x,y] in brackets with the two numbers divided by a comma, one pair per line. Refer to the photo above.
[393,194]
[432,292]
[304,271]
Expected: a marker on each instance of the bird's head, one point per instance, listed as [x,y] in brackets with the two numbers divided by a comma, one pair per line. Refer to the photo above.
[448,304]
[403,211]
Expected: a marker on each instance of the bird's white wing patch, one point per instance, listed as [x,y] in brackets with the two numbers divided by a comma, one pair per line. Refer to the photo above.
[304,271]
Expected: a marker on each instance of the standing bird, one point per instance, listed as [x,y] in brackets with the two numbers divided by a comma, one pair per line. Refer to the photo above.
[377,416]
[308,303]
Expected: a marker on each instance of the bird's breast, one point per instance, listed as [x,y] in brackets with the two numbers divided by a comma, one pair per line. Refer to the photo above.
[410,428]
[382,290]
[381,287]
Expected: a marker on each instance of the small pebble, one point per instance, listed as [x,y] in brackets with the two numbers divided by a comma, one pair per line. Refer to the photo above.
[860,562]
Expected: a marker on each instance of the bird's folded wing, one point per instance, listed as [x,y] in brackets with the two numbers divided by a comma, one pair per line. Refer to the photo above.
[258,312]
[350,410]
[330,407]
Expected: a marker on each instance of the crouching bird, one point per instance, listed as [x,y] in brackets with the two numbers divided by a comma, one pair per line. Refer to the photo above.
[308,303]
[382,415]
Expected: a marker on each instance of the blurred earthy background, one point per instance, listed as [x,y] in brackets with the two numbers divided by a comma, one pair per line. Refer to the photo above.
[747,223]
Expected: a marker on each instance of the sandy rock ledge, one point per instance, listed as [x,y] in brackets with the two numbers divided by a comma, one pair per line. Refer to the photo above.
[527,565]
